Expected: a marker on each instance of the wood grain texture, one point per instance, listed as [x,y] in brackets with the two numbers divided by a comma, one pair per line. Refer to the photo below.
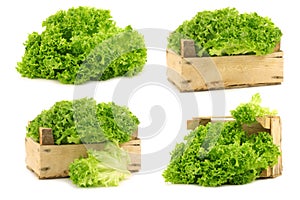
[269,124]
[209,73]
[187,48]
[52,161]
[46,136]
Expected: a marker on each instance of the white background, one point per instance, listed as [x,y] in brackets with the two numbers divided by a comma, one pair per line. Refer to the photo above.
[22,99]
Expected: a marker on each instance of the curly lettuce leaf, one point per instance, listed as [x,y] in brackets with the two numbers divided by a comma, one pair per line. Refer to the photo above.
[85,121]
[82,44]
[246,113]
[227,32]
[104,168]
[222,153]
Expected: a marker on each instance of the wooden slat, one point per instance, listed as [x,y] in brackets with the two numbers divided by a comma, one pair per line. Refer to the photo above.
[266,173]
[218,72]
[196,121]
[276,134]
[178,81]
[174,61]
[32,155]
[264,121]
[277,47]
[187,48]
[46,136]
[134,135]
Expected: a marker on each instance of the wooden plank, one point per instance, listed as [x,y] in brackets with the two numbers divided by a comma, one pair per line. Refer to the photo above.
[32,155]
[226,71]
[254,128]
[277,47]
[46,136]
[134,135]
[276,134]
[174,61]
[202,75]
[187,48]
[197,121]
[136,142]
[264,122]
[276,130]
[267,173]
[194,123]
[177,79]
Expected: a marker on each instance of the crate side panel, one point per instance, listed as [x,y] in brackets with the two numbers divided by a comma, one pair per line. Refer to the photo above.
[202,73]
[133,148]
[52,161]
[32,158]
[276,134]
[193,75]
[250,70]
[55,159]
[177,79]
[240,70]
[194,123]
[174,61]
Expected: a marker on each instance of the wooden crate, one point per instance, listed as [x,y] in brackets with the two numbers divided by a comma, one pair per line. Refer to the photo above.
[191,73]
[52,161]
[270,124]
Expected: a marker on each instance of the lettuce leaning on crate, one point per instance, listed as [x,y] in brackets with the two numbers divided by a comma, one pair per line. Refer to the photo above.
[104,168]
[82,44]
[223,153]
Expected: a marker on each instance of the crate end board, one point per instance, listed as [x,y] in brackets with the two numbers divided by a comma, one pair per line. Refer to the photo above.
[270,124]
[52,161]
[190,73]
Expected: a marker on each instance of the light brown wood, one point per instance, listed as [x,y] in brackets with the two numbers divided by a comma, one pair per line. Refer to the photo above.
[277,47]
[265,121]
[277,135]
[188,48]
[52,161]
[175,61]
[269,124]
[209,73]
[195,122]
[46,136]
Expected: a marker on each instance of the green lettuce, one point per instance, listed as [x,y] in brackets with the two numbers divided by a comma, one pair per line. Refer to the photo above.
[85,121]
[246,113]
[221,153]
[82,44]
[227,32]
[107,167]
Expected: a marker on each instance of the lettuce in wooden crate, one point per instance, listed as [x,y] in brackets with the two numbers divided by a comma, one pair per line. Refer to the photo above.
[223,152]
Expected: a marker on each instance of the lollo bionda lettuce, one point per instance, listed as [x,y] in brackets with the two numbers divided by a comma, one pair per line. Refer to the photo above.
[82,44]
[223,153]
[85,121]
[227,32]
